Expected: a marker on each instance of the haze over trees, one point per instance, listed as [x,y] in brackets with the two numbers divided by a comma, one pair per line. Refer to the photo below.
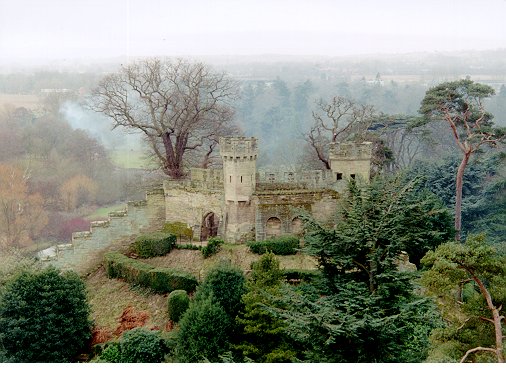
[180,107]
[360,305]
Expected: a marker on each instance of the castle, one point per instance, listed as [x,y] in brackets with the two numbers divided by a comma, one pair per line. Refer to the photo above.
[238,203]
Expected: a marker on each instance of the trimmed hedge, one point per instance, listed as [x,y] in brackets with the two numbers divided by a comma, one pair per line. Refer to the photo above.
[213,246]
[153,245]
[187,246]
[282,246]
[177,303]
[160,280]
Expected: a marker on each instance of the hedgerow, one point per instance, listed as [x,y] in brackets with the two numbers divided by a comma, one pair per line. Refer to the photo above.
[153,245]
[284,245]
[160,280]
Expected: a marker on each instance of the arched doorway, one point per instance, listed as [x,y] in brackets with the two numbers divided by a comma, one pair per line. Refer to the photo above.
[297,226]
[209,226]
[273,227]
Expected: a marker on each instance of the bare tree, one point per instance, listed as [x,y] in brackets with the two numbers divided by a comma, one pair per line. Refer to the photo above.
[179,107]
[337,121]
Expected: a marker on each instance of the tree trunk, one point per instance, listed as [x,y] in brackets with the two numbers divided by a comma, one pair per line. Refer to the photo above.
[458,195]
[496,318]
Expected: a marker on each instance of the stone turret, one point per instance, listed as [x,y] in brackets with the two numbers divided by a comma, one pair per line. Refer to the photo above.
[239,156]
[349,160]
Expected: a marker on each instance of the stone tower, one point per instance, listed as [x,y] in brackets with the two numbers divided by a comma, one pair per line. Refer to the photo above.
[349,160]
[239,156]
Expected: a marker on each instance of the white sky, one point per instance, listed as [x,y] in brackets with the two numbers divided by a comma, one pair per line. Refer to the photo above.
[67,29]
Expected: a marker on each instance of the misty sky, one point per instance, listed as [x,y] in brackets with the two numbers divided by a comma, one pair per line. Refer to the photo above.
[67,29]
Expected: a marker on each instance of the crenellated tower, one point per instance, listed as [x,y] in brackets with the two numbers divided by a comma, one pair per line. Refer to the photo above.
[349,160]
[239,156]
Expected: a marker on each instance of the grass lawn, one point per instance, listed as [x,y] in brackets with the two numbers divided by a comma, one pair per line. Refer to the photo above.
[103,212]
[129,159]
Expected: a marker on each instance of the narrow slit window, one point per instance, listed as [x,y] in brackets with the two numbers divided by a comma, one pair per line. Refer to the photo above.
[241,178]
[230,178]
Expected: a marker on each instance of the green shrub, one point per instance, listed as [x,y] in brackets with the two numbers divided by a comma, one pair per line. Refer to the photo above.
[166,280]
[213,246]
[187,246]
[153,245]
[177,303]
[204,332]
[111,354]
[180,229]
[160,280]
[226,284]
[142,346]
[135,346]
[282,246]
[44,317]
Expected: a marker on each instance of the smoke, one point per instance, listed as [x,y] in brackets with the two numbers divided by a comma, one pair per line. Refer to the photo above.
[99,127]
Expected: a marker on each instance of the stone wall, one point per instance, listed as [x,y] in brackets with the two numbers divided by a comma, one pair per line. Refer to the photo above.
[138,217]
[277,211]
[191,205]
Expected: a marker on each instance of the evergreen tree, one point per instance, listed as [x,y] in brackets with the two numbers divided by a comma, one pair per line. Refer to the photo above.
[367,310]
[44,317]
[468,280]
[263,338]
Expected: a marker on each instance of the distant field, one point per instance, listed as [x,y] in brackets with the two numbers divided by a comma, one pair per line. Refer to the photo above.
[129,159]
[28,101]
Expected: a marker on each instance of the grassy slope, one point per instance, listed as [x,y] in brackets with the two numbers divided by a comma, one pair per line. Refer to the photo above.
[129,159]
[109,297]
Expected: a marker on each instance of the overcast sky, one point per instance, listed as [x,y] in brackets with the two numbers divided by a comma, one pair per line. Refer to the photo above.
[68,29]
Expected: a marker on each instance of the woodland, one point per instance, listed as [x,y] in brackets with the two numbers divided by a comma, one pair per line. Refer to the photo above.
[410,269]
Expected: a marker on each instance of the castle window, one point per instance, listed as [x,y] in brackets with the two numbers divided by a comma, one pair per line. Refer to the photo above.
[241,178]
[339,176]
[230,178]
[352,176]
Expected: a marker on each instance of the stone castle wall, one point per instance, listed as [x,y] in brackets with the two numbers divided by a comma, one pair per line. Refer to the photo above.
[138,216]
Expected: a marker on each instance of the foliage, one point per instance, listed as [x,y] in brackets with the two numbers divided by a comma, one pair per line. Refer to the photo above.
[177,303]
[179,229]
[187,246]
[204,332]
[263,337]
[468,280]
[76,191]
[153,244]
[483,191]
[300,275]
[226,284]
[376,222]
[213,246]
[22,216]
[352,324]
[136,346]
[160,280]
[460,104]
[283,245]
[44,317]
[366,310]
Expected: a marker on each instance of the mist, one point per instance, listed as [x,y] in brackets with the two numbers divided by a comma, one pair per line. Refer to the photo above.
[99,127]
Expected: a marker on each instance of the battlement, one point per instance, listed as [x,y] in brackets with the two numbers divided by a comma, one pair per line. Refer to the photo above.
[350,151]
[238,147]
[306,178]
